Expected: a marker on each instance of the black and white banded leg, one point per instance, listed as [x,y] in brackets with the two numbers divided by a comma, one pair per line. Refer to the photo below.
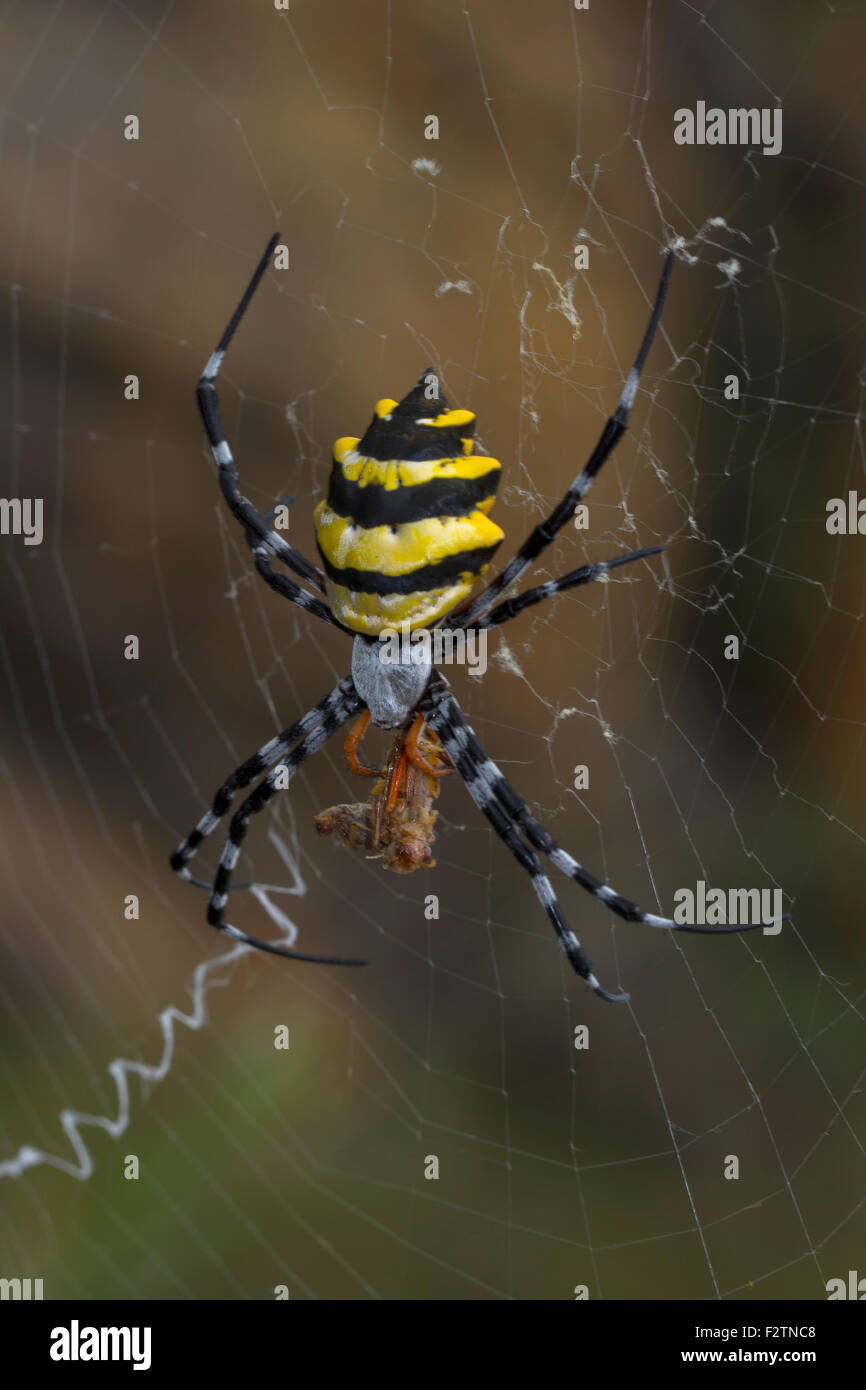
[498,800]
[438,717]
[504,612]
[286,587]
[342,695]
[241,508]
[612,432]
[313,731]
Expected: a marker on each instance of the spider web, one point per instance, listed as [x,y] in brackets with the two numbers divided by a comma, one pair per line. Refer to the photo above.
[152,1039]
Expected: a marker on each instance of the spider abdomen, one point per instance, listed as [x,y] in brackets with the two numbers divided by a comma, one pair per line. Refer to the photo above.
[404,533]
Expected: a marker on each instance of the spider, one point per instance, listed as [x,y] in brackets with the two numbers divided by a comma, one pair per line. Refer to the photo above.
[404,535]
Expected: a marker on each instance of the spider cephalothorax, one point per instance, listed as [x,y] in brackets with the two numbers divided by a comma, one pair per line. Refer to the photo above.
[404,534]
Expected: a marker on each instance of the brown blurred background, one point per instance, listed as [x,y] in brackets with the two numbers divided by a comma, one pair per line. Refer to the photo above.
[557,1167]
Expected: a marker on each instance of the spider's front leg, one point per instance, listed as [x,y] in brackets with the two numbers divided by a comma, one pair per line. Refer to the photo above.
[307,735]
[507,811]
[614,428]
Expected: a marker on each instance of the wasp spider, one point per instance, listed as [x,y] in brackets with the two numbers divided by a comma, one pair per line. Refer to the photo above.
[403,536]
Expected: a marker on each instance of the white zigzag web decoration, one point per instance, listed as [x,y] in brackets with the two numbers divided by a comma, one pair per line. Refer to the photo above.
[121,1068]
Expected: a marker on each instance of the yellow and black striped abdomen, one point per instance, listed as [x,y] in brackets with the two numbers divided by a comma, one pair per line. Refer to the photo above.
[404,533]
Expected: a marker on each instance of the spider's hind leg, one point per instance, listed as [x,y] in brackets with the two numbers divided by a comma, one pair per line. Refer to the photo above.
[586,574]
[444,717]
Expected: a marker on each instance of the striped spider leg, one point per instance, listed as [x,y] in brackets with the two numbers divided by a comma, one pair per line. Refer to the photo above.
[509,815]
[283,755]
[614,428]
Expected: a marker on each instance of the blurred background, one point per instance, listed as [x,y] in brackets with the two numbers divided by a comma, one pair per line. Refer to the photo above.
[558,1167]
